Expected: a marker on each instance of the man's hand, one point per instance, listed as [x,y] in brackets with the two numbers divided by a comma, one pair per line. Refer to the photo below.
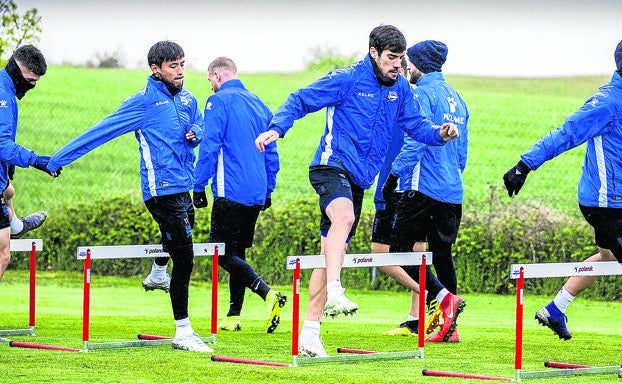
[199,200]
[449,131]
[267,204]
[11,171]
[41,163]
[515,178]
[389,187]
[266,138]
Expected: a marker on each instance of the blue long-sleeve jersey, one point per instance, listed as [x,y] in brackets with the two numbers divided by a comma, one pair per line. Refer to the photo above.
[10,152]
[436,171]
[234,117]
[160,122]
[361,115]
[599,124]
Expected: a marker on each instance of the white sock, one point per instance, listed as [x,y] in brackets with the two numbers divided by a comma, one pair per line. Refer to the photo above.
[183,328]
[158,272]
[412,318]
[16,225]
[562,299]
[310,327]
[441,295]
[334,288]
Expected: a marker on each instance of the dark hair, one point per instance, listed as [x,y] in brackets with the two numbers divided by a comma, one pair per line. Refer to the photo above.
[164,51]
[387,37]
[31,58]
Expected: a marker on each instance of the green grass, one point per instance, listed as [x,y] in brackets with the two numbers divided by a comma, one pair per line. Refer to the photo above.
[507,117]
[121,310]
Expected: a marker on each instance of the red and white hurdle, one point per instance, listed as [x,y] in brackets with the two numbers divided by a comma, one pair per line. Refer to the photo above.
[32,246]
[520,272]
[88,253]
[297,263]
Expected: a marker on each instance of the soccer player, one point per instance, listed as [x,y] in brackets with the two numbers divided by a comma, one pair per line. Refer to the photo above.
[243,180]
[364,103]
[24,68]
[598,123]
[168,125]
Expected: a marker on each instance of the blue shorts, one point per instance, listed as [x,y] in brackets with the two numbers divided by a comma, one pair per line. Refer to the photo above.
[330,183]
[607,224]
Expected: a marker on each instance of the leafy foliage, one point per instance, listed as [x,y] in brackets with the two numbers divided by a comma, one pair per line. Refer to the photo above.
[17,29]
[488,243]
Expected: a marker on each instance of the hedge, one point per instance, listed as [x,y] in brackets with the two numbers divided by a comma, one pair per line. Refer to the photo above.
[487,244]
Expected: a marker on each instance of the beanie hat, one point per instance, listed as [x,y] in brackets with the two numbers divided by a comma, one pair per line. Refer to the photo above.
[618,56]
[428,56]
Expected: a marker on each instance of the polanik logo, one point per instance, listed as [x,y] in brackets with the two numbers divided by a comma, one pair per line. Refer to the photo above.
[362,260]
[584,268]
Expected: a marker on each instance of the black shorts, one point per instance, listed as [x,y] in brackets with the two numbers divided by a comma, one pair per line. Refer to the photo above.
[233,223]
[330,183]
[5,222]
[419,218]
[607,224]
[383,221]
[175,217]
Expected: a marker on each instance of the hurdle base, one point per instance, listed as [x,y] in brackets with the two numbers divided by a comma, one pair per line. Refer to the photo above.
[570,372]
[357,356]
[146,342]
[18,332]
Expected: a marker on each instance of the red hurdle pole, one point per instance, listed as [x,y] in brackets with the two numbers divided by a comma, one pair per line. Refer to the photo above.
[86,298]
[296,309]
[20,344]
[553,364]
[422,273]
[520,287]
[33,278]
[430,372]
[215,292]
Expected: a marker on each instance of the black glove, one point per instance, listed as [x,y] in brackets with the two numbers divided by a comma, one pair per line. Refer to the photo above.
[41,163]
[199,199]
[11,171]
[389,187]
[267,204]
[515,178]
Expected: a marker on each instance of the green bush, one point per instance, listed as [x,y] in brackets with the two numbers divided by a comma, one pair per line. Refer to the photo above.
[490,240]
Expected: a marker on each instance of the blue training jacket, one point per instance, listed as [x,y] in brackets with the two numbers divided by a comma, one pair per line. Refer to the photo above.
[599,123]
[10,152]
[436,171]
[160,122]
[234,117]
[360,117]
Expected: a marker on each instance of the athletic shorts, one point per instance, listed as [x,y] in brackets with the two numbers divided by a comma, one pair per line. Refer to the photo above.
[607,224]
[330,183]
[5,222]
[233,223]
[383,221]
[419,218]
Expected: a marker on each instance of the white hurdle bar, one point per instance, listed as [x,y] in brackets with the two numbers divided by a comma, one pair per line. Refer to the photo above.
[545,270]
[32,246]
[297,263]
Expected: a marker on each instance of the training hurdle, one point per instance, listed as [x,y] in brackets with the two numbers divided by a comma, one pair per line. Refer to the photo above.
[297,263]
[520,272]
[88,253]
[32,246]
